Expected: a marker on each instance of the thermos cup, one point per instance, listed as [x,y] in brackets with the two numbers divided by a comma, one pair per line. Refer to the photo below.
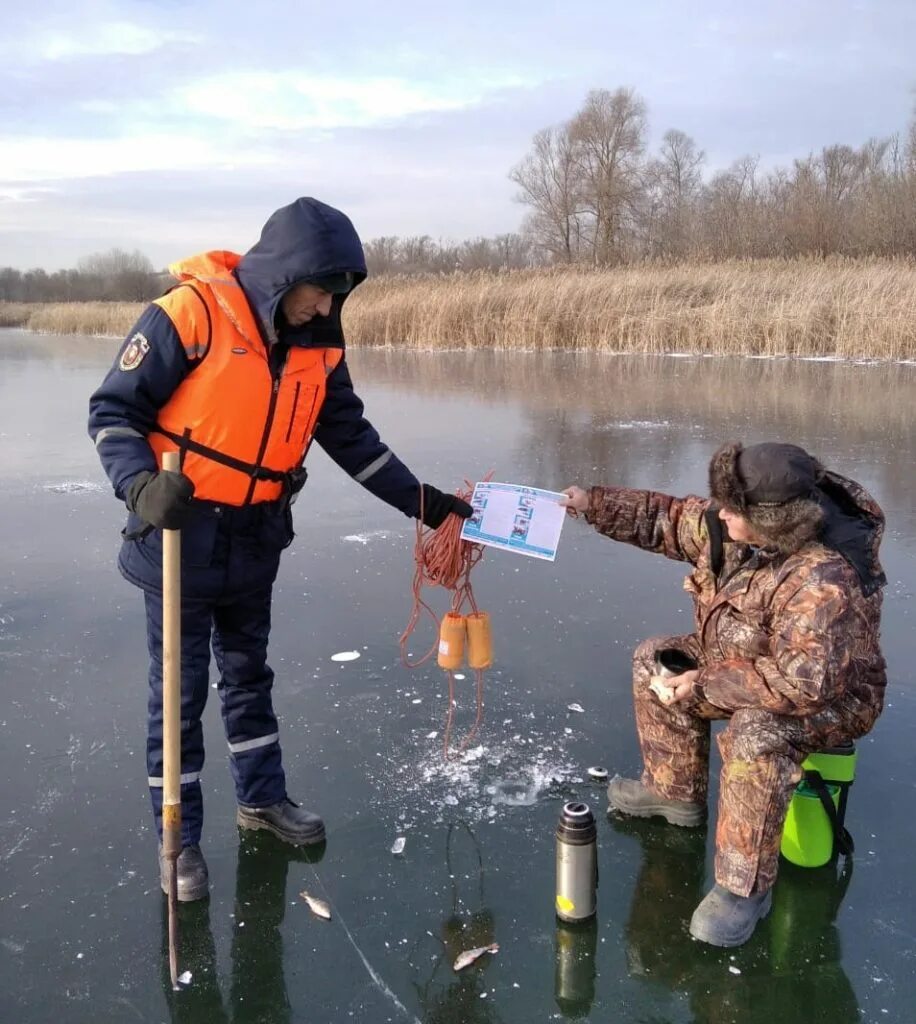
[669,661]
[577,863]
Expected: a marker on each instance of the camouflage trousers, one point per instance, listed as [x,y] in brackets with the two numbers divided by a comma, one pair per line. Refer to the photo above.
[761,757]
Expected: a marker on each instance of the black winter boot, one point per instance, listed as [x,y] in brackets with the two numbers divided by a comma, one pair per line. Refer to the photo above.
[724,919]
[286,820]
[630,796]
[193,877]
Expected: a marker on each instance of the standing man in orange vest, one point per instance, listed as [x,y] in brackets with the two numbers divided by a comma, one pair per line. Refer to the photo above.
[238,367]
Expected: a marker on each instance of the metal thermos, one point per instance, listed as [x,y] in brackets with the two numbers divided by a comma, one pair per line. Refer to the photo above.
[577,863]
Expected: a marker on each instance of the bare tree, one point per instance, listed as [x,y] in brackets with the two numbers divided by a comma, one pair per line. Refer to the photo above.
[382,254]
[675,181]
[513,251]
[549,185]
[608,136]
[122,275]
[730,209]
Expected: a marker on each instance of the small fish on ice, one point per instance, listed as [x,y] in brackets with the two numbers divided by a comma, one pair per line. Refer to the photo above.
[318,907]
[576,707]
[468,957]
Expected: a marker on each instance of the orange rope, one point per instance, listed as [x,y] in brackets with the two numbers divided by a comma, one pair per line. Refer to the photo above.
[451,711]
[443,559]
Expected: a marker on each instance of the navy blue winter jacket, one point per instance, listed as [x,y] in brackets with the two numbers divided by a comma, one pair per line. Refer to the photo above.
[302,241]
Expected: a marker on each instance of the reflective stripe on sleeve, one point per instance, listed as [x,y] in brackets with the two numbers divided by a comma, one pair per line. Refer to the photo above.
[261,741]
[363,475]
[107,432]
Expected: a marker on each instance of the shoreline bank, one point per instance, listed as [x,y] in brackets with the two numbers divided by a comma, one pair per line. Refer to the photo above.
[843,309]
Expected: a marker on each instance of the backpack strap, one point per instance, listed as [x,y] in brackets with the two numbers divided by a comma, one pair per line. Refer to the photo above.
[716,540]
[842,839]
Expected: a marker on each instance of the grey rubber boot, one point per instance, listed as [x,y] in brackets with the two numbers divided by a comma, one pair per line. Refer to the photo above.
[287,821]
[629,796]
[724,919]
[193,877]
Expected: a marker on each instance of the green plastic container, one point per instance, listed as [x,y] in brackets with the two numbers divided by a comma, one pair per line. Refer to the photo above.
[807,838]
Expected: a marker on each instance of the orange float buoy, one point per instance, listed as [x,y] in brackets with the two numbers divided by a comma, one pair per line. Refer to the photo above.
[451,641]
[480,641]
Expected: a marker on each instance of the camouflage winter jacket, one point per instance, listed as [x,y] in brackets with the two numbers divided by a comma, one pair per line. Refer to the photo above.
[791,634]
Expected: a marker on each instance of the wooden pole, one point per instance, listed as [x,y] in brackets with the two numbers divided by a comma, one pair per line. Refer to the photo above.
[171,718]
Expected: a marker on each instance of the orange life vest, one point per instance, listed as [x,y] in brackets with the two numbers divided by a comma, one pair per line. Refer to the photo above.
[241,428]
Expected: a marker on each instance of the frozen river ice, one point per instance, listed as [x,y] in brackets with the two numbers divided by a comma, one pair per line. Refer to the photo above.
[81,916]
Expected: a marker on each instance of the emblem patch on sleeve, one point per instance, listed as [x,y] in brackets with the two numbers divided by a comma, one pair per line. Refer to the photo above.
[133,353]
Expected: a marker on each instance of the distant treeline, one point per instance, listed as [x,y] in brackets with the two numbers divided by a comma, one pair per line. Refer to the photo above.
[113,276]
[596,197]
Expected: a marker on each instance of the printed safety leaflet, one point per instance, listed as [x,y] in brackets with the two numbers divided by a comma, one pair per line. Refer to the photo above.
[526,520]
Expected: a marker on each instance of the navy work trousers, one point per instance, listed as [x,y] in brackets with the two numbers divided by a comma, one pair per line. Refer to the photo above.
[229,562]
[238,632]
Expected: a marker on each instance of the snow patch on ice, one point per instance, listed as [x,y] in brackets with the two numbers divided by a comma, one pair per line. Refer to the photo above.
[636,425]
[366,536]
[495,777]
[74,487]
[345,656]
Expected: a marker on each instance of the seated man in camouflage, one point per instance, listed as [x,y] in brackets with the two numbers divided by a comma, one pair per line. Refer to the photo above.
[787,592]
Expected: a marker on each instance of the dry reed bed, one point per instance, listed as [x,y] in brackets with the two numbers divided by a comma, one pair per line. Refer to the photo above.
[16,314]
[847,309]
[97,318]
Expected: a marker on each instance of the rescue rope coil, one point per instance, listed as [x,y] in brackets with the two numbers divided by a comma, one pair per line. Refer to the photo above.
[443,559]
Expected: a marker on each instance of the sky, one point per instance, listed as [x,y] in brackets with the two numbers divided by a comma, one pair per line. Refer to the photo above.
[173,127]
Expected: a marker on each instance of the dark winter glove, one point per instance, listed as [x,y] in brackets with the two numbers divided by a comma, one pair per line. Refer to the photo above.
[436,506]
[160,499]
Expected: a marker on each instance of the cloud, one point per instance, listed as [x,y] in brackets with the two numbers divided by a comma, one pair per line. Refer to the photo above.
[294,100]
[107,38]
[27,159]
[229,119]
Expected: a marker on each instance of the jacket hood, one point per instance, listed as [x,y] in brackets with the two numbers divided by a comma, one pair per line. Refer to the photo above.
[300,242]
[853,526]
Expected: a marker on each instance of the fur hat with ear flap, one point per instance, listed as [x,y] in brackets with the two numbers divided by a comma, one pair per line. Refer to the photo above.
[775,487]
